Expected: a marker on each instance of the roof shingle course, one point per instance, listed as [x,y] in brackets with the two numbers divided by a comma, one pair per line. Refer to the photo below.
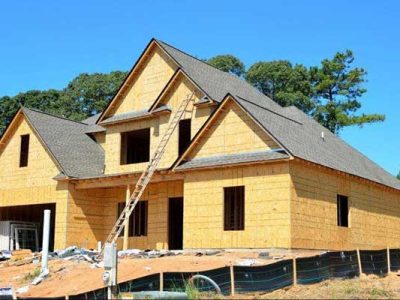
[228,159]
[77,154]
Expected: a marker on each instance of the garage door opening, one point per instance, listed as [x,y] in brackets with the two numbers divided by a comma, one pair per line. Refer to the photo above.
[22,227]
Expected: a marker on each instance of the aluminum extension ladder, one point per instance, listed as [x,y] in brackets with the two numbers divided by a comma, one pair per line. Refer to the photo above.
[147,173]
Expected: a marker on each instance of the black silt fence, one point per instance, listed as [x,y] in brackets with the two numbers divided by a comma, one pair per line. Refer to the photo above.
[374,262]
[147,283]
[394,259]
[313,269]
[264,278]
[177,281]
[343,264]
[93,295]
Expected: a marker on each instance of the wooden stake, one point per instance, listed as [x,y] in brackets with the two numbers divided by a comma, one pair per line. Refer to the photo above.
[161,281]
[359,262]
[294,271]
[126,227]
[232,281]
[388,260]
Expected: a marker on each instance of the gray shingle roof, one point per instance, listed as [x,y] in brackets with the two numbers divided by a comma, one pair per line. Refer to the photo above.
[229,159]
[304,140]
[298,133]
[77,154]
[134,115]
[93,127]
[217,83]
[92,120]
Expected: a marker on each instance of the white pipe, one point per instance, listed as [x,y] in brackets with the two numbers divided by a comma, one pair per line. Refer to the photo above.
[45,244]
[213,283]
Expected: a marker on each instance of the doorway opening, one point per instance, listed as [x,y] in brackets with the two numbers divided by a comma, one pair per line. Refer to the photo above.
[22,226]
[175,223]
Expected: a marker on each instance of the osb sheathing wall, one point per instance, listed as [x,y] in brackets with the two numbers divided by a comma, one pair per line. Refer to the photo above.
[32,184]
[93,212]
[233,132]
[267,215]
[151,77]
[374,218]
[158,126]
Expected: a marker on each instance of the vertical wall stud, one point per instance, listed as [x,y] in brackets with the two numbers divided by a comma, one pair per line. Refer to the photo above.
[126,225]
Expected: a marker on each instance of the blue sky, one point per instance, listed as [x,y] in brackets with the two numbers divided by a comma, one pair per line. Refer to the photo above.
[44,44]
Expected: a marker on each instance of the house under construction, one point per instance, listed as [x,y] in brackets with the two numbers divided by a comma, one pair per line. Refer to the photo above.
[239,171]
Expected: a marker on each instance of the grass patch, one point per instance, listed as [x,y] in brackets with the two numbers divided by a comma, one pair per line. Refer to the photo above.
[31,275]
[191,291]
[377,293]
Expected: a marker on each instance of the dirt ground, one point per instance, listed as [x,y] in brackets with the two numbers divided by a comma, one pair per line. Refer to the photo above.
[75,277]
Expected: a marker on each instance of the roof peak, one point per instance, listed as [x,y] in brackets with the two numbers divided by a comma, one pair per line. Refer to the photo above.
[196,58]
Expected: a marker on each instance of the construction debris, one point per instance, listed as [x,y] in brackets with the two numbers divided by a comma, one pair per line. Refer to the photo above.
[75,253]
[18,257]
[23,290]
[6,293]
[5,255]
[70,251]
[23,261]
[264,255]
[20,254]
[136,253]
[246,262]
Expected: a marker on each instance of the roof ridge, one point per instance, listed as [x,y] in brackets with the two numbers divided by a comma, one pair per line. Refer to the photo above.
[270,110]
[194,57]
[52,115]
[239,82]
[207,64]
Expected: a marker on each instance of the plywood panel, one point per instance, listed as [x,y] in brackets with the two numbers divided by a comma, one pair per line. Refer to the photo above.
[267,195]
[148,83]
[374,212]
[93,212]
[232,132]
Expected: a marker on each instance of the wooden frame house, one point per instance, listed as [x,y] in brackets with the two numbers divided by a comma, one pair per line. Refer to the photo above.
[240,171]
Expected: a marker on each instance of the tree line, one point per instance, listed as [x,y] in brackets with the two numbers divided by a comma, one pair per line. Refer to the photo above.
[330,92]
[84,96]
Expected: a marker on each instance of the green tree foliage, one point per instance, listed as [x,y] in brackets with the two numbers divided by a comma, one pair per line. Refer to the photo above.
[330,92]
[90,93]
[228,63]
[398,176]
[42,100]
[85,95]
[284,83]
[337,89]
